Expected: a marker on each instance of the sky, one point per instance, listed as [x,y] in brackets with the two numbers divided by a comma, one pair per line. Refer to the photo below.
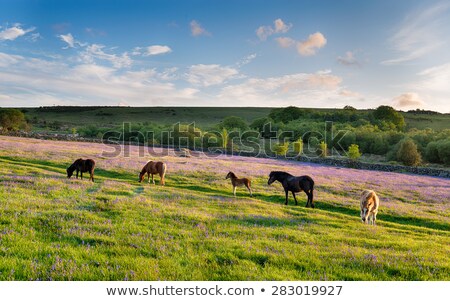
[317,54]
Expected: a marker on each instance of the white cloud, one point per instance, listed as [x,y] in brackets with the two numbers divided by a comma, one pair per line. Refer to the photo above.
[435,79]
[263,32]
[95,51]
[350,94]
[301,89]
[70,41]
[36,82]
[349,59]
[408,100]
[7,60]
[285,42]
[14,32]
[197,29]
[309,47]
[157,49]
[246,60]
[208,75]
[420,34]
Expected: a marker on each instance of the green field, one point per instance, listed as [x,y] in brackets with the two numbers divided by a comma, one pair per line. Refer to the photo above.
[54,228]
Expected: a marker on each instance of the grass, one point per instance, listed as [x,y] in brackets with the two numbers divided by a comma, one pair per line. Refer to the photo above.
[54,228]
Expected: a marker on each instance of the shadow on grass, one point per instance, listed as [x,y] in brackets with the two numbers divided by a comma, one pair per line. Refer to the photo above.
[181,183]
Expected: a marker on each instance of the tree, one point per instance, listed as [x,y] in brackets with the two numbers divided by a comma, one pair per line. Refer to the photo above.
[233,122]
[353,152]
[12,119]
[408,153]
[444,151]
[389,114]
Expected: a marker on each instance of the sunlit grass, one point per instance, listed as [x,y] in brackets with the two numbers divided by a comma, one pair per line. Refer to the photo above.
[54,228]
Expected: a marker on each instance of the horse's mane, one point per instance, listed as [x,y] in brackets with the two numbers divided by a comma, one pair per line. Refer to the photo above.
[280,173]
[232,175]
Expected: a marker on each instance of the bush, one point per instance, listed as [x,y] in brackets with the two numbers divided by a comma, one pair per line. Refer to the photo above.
[323,149]
[444,151]
[12,119]
[281,149]
[298,147]
[408,154]
[432,153]
[353,152]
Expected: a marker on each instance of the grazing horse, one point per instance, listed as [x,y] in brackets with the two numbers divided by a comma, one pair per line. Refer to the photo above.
[369,207]
[294,184]
[152,168]
[235,181]
[81,165]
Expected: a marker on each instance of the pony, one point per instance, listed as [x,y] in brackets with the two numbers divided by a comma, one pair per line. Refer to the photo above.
[369,207]
[294,184]
[235,181]
[81,165]
[152,168]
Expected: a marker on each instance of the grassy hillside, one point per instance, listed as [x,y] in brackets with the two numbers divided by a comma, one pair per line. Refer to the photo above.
[203,116]
[54,228]
[104,116]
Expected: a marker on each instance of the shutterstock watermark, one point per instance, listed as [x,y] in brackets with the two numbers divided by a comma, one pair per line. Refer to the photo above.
[186,140]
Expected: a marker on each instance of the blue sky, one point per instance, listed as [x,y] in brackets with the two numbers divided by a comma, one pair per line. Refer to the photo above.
[226,53]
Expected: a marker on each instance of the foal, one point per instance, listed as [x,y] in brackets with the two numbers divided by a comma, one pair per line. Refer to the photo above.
[239,182]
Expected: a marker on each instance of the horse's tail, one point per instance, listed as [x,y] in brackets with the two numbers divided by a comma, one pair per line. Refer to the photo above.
[163,173]
[311,191]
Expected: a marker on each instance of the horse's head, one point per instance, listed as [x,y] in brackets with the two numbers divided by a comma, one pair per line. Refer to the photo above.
[69,172]
[229,175]
[271,178]
[364,215]
[141,176]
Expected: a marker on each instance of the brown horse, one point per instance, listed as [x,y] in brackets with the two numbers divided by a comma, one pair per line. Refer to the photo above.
[235,181]
[294,184]
[81,165]
[369,206]
[152,168]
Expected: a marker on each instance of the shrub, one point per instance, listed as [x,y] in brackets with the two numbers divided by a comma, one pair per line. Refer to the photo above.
[298,147]
[444,151]
[281,148]
[323,149]
[389,114]
[353,152]
[12,119]
[408,154]
[432,152]
[224,138]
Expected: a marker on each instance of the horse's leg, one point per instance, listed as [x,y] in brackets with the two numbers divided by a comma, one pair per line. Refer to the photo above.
[234,190]
[153,180]
[250,190]
[92,175]
[81,175]
[311,198]
[374,219]
[161,176]
[295,199]
[77,173]
[287,195]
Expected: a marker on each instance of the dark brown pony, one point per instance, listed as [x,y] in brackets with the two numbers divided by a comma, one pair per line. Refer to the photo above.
[235,181]
[81,165]
[152,168]
[294,184]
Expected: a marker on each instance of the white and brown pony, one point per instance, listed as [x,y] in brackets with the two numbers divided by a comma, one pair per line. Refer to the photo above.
[152,168]
[369,207]
[235,181]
